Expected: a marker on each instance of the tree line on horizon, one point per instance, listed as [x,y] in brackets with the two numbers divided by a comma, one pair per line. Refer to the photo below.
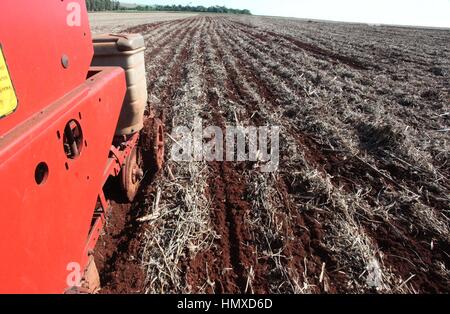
[109,5]
[102,5]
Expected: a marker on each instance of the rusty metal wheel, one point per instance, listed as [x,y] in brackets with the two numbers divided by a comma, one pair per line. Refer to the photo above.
[132,174]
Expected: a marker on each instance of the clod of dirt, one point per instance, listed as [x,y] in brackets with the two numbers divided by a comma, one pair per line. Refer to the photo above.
[438,71]
[430,94]
[377,137]
[405,101]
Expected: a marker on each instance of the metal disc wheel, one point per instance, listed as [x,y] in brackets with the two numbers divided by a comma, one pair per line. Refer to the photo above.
[132,174]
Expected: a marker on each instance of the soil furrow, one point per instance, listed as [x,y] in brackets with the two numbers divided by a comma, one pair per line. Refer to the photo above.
[360,200]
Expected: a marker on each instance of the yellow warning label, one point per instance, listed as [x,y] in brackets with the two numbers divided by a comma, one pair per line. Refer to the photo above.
[8,98]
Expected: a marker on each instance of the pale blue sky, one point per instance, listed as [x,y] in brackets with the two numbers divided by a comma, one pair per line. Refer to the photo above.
[402,12]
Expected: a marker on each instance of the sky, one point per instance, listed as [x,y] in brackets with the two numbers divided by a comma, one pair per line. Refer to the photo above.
[400,12]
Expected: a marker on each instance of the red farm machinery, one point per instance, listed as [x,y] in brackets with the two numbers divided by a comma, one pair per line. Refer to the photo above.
[71,113]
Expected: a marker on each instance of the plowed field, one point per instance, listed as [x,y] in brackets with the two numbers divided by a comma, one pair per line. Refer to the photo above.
[360,202]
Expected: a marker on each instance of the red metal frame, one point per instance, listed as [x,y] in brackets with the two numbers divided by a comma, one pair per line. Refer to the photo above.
[113,167]
[45,226]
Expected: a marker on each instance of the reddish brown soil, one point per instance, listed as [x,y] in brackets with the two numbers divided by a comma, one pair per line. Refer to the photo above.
[118,249]
[118,274]
[295,68]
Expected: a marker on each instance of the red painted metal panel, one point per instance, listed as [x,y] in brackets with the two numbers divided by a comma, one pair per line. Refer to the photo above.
[34,36]
[44,227]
